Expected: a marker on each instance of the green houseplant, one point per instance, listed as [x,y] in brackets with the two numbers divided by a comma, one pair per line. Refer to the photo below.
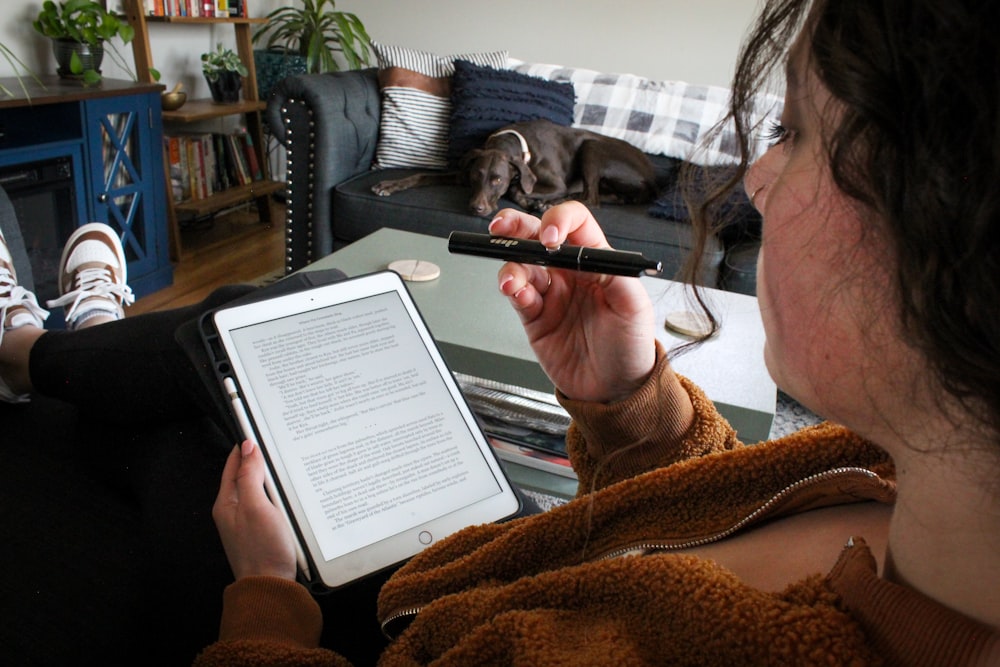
[316,32]
[224,72]
[79,30]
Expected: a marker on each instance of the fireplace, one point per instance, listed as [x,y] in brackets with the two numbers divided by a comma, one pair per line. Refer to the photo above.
[44,198]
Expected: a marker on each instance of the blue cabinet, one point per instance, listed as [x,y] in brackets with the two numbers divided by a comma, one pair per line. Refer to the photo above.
[105,143]
[124,181]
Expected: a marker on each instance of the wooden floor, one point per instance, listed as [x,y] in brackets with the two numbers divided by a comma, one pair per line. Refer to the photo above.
[235,248]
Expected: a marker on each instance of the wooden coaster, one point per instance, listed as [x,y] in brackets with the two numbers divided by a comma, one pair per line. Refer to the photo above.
[687,323]
[415,270]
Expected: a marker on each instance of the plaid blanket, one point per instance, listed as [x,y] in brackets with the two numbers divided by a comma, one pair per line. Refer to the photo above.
[669,118]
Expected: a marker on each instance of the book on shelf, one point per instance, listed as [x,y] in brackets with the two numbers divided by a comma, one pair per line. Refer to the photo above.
[192,166]
[221,173]
[204,189]
[239,160]
[180,189]
[253,166]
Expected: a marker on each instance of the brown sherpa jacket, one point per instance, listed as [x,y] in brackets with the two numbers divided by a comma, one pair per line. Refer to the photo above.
[557,588]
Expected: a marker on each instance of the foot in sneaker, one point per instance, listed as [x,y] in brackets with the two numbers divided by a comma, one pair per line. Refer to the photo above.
[92,278]
[18,308]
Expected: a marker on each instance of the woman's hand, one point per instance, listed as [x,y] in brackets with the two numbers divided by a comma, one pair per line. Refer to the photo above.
[592,333]
[255,533]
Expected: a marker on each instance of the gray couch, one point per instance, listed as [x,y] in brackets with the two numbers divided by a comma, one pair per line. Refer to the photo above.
[329,125]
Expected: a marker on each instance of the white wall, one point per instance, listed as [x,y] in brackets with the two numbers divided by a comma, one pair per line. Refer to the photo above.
[690,40]
[687,40]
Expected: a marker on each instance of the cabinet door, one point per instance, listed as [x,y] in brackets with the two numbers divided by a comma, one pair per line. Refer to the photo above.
[125,182]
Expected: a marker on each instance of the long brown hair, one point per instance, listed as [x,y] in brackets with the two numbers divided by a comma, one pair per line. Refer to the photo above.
[918,144]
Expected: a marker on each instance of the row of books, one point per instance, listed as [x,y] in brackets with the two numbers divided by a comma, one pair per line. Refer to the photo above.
[204,163]
[197,8]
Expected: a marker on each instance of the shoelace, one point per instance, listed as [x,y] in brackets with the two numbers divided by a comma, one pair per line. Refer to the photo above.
[94,282]
[11,295]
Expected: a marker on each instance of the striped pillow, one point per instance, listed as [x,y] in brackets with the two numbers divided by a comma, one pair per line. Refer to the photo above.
[416,105]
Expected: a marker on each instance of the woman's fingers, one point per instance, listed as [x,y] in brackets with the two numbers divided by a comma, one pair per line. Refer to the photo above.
[512,222]
[526,287]
[570,222]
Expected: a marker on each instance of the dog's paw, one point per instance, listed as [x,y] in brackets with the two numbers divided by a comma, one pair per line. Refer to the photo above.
[383,188]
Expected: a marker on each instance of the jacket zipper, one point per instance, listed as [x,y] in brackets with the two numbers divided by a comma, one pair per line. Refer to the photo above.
[677,546]
[781,495]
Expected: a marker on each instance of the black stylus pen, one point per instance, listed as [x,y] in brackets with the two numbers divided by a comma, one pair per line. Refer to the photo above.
[577,258]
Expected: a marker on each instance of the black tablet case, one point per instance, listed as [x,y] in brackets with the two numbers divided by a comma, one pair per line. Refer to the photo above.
[200,340]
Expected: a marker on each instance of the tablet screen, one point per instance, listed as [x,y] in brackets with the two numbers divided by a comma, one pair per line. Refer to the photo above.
[362,423]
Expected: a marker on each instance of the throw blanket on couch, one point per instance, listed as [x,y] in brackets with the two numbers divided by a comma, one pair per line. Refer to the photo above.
[660,117]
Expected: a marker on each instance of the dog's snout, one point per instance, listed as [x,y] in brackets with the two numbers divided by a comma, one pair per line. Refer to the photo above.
[480,208]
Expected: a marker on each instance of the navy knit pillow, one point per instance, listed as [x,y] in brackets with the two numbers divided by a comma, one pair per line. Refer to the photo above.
[484,99]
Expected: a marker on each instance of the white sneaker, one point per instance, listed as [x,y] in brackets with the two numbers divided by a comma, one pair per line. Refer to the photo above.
[92,276]
[18,308]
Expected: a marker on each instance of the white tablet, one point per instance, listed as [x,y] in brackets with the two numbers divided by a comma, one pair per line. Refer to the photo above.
[375,452]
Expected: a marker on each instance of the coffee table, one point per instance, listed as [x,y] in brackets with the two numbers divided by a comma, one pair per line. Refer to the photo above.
[480,335]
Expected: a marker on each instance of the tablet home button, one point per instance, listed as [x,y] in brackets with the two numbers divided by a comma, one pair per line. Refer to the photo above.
[425,537]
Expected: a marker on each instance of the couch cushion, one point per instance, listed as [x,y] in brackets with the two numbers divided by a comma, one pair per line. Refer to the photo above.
[439,210]
[416,105]
[484,99]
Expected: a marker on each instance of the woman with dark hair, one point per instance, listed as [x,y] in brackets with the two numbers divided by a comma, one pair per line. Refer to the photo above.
[878,282]
[869,539]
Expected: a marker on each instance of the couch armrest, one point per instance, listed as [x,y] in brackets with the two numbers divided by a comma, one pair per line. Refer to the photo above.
[337,112]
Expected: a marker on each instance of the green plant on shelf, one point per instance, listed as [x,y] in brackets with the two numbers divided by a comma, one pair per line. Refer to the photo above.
[317,32]
[79,30]
[222,59]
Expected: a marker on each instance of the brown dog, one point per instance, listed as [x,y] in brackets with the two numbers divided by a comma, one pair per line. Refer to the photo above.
[538,164]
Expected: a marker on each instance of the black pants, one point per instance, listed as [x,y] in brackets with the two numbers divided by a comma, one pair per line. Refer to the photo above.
[152,432]
[131,371]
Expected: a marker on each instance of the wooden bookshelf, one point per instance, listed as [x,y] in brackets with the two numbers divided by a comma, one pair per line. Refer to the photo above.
[194,110]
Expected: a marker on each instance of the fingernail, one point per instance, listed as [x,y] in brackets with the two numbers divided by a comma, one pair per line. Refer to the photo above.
[246,448]
[495,221]
[504,280]
[549,237]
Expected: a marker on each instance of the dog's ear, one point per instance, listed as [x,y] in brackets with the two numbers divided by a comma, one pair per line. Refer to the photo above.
[527,177]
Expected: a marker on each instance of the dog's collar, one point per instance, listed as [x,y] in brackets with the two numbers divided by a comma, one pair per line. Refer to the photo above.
[525,153]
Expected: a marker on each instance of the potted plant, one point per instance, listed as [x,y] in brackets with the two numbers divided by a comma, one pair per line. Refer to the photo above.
[224,72]
[307,39]
[79,30]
